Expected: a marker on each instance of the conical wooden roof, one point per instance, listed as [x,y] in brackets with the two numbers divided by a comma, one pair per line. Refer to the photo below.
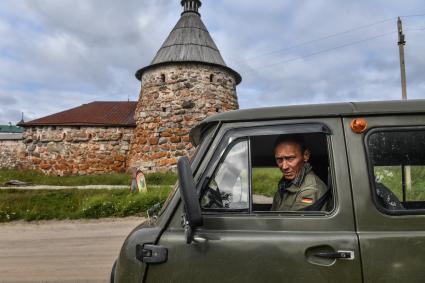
[189,41]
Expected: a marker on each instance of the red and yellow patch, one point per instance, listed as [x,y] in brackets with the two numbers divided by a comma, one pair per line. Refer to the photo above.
[307,200]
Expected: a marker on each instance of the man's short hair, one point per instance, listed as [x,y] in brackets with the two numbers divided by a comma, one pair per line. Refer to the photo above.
[298,139]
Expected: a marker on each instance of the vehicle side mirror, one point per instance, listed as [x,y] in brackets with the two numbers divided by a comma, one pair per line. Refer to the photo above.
[193,215]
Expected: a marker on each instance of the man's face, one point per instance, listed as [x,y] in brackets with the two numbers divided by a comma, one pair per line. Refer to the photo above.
[290,159]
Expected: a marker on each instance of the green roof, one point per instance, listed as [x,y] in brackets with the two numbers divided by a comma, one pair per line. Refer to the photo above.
[10,129]
[312,110]
[321,110]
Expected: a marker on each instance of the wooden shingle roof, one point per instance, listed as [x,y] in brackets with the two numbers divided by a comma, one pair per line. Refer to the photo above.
[97,113]
[189,41]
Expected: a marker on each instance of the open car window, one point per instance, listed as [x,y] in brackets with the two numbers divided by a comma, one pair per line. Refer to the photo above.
[244,177]
[266,175]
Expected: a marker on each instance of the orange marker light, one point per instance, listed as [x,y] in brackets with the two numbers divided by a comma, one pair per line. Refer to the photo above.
[358,125]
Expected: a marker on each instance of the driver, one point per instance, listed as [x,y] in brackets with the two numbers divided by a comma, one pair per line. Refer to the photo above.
[299,186]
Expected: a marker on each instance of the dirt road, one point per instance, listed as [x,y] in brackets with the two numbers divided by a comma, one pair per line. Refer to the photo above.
[61,251]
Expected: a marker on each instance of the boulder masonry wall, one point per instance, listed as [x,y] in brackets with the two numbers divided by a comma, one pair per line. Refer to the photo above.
[75,150]
[11,152]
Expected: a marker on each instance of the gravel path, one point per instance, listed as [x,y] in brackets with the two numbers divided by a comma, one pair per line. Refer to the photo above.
[61,251]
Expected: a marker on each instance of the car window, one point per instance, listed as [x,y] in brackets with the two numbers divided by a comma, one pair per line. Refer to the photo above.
[229,186]
[247,177]
[397,161]
[267,176]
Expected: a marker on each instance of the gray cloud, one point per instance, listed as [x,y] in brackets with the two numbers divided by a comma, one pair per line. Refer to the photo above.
[7,100]
[59,54]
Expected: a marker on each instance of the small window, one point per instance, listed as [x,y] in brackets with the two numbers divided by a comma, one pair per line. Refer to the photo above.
[211,78]
[229,187]
[397,163]
[162,78]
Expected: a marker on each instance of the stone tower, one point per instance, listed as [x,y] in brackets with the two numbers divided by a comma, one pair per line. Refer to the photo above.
[186,82]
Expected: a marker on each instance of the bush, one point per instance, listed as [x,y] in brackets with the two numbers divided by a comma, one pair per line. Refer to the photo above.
[99,208]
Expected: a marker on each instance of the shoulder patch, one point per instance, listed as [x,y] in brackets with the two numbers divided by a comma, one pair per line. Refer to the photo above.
[308,194]
[307,200]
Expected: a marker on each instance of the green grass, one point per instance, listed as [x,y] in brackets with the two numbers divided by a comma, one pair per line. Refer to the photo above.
[390,176]
[75,204]
[38,178]
[265,181]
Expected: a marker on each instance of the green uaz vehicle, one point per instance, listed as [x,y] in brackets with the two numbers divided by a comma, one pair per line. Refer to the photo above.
[217,225]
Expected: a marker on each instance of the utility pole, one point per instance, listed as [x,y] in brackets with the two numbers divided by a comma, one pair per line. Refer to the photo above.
[407,174]
[401,43]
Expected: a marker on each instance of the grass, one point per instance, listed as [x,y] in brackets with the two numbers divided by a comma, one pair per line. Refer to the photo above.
[75,204]
[38,178]
[265,180]
[390,176]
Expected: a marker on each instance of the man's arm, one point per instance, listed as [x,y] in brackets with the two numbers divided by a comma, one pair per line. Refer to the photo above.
[276,201]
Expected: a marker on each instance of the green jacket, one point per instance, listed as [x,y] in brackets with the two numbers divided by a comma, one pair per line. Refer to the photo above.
[298,197]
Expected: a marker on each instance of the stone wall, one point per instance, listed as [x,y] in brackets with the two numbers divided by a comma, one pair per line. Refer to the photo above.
[11,152]
[76,150]
[173,99]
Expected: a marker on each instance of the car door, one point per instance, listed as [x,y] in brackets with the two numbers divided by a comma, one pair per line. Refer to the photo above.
[237,244]
[387,165]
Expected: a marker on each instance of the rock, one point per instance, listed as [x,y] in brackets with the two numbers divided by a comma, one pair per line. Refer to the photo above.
[188,104]
[16,183]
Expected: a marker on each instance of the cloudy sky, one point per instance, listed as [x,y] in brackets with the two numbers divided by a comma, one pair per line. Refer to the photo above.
[58,54]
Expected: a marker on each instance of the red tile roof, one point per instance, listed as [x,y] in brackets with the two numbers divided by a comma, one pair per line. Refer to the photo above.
[97,113]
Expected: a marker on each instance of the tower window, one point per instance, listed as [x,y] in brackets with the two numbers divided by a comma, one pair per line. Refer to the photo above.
[211,78]
[162,78]
[164,109]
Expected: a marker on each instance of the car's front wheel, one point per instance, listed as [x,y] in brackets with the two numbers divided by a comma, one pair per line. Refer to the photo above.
[113,272]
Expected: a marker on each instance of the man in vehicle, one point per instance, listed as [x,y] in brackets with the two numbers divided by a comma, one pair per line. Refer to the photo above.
[300,188]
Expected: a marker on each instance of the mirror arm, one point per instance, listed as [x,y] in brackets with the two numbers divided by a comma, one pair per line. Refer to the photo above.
[192,216]
[188,232]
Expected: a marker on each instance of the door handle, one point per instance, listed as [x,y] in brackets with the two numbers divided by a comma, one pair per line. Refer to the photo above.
[347,255]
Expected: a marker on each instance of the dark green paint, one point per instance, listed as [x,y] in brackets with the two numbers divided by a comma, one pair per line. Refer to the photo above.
[270,247]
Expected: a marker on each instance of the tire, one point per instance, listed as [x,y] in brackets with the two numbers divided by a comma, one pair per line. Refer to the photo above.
[113,272]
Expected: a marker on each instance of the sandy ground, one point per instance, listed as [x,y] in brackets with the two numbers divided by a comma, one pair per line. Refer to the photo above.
[61,251]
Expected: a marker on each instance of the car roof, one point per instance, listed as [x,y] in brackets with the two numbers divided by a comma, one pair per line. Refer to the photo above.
[311,110]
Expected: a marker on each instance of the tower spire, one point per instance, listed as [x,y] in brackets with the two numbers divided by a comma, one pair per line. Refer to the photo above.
[191,6]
